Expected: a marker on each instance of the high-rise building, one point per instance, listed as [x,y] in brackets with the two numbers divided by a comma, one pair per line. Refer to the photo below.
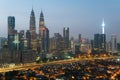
[21,38]
[72,45]
[2,42]
[21,33]
[118,47]
[66,37]
[11,30]
[103,42]
[108,47]
[32,25]
[92,44]
[43,35]
[33,41]
[113,43]
[59,42]
[79,38]
[16,41]
[97,41]
[100,42]
[52,44]
[28,36]
[85,45]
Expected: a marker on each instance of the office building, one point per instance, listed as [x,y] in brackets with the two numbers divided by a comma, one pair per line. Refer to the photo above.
[100,43]
[2,42]
[59,42]
[11,31]
[85,45]
[103,42]
[66,37]
[28,36]
[113,43]
[118,47]
[72,45]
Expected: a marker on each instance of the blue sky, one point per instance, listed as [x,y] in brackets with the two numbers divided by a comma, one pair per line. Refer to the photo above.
[81,16]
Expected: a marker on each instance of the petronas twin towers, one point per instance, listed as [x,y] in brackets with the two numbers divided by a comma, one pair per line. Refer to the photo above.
[39,41]
[32,25]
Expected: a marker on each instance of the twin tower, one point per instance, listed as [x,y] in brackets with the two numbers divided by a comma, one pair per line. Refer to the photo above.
[40,41]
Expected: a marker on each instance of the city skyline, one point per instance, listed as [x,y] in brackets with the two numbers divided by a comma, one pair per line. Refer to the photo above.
[74,15]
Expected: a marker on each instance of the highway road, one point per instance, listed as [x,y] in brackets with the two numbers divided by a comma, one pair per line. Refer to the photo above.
[34,65]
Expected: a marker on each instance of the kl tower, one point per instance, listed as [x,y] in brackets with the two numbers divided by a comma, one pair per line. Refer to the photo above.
[103,37]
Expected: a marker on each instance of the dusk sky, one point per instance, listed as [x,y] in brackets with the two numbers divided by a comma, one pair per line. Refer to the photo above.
[81,16]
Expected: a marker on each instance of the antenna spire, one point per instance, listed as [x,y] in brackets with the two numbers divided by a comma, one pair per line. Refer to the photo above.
[103,26]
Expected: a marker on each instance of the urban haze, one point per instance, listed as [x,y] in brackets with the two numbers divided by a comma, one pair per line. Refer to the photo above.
[59,40]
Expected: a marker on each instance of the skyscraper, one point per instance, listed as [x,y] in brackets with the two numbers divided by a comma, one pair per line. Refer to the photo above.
[33,43]
[59,43]
[79,40]
[32,25]
[72,45]
[11,35]
[43,35]
[113,43]
[66,37]
[2,42]
[11,30]
[100,43]
[28,36]
[96,41]
[103,42]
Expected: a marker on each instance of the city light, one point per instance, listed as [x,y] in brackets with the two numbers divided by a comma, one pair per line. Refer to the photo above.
[38,46]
